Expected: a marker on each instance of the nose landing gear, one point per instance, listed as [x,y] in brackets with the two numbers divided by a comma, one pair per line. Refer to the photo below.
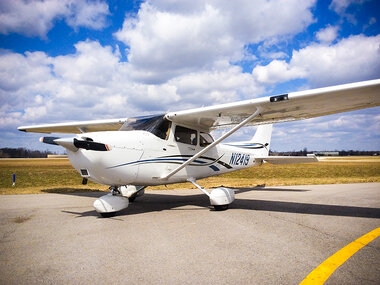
[118,199]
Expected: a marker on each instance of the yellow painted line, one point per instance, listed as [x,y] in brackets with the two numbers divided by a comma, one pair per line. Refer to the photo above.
[320,274]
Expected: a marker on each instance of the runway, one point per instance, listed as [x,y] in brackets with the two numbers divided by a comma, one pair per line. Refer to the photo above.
[270,235]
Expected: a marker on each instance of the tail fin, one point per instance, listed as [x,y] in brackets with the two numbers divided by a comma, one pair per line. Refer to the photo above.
[262,139]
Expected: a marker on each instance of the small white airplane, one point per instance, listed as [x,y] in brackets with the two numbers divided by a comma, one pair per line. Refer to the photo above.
[130,154]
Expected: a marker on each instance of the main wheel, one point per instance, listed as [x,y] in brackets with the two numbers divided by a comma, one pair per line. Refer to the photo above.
[108,215]
[221,207]
[132,199]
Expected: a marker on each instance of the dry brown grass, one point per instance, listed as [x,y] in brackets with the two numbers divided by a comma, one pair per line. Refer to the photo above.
[42,176]
[325,172]
[57,175]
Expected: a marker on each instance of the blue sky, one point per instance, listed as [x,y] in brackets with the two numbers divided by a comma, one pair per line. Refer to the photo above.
[65,60]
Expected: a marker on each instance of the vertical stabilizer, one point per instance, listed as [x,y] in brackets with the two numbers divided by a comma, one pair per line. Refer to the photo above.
[262,139]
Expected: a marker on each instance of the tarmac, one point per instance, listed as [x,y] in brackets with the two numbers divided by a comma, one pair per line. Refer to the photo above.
[270,235]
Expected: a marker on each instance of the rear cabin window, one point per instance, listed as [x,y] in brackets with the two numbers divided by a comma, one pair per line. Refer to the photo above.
[205,139]
[185,135]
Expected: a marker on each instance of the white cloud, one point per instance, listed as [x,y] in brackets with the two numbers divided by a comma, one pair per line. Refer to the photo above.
[91,64]
[89,14]
[36,18]
[166,43]
[277,71]
[340,7]
[94,83]
[327,35]
[353,59]
[18,70]
[33,113]
[273,55]
[225,84]
[334,132]
[8,118]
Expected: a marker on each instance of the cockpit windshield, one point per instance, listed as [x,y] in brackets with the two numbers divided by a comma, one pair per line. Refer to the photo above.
[156,125]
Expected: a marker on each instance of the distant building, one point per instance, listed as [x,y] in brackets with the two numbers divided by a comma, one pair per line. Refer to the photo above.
[57,156]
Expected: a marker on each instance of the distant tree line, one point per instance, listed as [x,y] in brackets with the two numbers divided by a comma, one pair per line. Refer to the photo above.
[339,152]
[23,153]
[358,152]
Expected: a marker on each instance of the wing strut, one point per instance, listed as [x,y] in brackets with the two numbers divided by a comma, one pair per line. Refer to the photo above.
[194,157]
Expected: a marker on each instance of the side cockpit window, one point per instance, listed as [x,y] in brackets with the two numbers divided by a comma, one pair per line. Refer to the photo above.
[205,139]
[185,135]
[163,129]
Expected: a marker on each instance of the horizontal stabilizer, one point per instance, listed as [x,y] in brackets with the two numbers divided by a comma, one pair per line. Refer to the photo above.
[288,159]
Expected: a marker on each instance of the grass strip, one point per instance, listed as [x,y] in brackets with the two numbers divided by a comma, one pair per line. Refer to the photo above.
[57,175]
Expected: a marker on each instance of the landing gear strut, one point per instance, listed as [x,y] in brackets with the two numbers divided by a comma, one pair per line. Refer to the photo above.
[115,190]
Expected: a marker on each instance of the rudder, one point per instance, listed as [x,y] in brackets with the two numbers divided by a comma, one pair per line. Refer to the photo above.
[262,139]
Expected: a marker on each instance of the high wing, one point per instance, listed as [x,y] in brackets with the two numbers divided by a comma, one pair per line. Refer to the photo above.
[281,108]
[287,107]
[77,127]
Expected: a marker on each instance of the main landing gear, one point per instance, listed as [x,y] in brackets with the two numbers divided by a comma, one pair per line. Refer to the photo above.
[118,199]
[220,197]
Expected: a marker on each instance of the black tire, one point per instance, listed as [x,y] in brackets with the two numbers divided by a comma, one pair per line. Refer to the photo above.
[221,207]
[108,215]
[132,199]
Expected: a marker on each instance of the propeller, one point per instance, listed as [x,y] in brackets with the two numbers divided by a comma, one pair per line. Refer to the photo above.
[49,140]
[74,144]
[90,145]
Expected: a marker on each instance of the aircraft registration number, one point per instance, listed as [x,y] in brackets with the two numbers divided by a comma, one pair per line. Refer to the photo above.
[239,159]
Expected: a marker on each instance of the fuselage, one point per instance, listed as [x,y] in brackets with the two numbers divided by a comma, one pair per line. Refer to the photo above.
[141,158]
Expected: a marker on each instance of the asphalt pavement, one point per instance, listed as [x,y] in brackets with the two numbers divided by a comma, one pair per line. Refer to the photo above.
[270,235]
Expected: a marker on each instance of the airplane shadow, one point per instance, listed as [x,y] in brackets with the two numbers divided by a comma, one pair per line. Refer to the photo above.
[306,208]
[239,190]
[199,202]
[75,192]
[153,203]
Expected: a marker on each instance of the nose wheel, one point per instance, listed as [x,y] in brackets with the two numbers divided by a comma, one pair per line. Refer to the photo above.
[220,207]
[118,199]
[108,205]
